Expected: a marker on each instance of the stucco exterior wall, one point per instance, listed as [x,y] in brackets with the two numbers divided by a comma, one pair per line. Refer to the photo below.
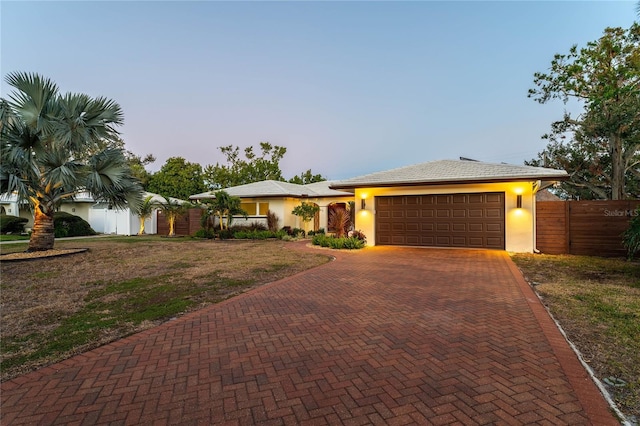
[283,207]
[77,209]
[519,222]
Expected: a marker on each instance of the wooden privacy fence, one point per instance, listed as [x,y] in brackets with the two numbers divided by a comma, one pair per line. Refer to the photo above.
[591,228]
[185,225]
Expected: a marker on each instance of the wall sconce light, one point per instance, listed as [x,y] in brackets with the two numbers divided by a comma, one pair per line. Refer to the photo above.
[363,204]
[519,201]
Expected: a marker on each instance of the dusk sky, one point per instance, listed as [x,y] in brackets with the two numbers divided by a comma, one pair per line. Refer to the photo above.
[348,88]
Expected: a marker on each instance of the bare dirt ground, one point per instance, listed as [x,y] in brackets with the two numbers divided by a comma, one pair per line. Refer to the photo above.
[40,297]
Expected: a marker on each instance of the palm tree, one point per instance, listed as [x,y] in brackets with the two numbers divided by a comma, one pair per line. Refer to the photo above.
[145,210]
[226,206]
[48,148]
[173,209]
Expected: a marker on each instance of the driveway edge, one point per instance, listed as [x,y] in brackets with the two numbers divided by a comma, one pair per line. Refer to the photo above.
[596,403]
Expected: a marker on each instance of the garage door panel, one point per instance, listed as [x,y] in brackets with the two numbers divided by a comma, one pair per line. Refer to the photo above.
[459,227]
[476,227]
[427,227]
[412,214]
[497,198]
[413,227]
[494,227]
[447,220]
[459,213]
[444,241]
[494,213]
[494,241]
[443,226]
[476,242]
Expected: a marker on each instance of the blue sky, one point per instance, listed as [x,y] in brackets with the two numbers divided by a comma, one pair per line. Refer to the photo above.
[348,88]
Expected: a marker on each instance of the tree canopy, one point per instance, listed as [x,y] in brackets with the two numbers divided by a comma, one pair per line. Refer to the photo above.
[251,168]
[307,178]
[177,178]
[602,155]
[54,146]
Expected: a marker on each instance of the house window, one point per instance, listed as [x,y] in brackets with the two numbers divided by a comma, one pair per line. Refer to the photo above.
[264,208]
[250,208]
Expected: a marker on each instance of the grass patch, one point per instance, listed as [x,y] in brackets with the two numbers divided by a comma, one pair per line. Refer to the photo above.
[13,237]
[597,302]
[53,308]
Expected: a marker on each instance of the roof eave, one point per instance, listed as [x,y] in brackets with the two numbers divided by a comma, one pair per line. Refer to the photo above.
[448,182]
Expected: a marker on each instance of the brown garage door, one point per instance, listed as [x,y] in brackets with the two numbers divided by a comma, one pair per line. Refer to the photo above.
[443,220]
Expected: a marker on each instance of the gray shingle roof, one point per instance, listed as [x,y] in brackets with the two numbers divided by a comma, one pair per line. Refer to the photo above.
[273,188]
[451,171]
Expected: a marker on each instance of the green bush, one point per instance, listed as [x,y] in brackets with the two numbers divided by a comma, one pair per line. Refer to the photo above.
[312,233]
[68,225]
[258,235]
[337,243]
[12,224]
[631,237]
[204,233]
[225,234]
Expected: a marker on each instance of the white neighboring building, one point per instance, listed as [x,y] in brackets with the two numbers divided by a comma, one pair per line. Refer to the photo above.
[102,219]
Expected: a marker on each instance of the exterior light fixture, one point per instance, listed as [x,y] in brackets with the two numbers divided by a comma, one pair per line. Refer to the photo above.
[519,201]
[363,204]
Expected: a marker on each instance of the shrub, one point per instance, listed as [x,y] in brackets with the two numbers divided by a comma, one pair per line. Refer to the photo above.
[298,233]
[69,225]
[225,234]
[349,243]
[272,221]
[204,233]
[359,235]
[631,237]
[339,220]
[312,233]
[258,234]
[12,224]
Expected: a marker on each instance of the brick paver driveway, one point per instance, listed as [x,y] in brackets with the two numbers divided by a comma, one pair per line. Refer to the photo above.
[380,336]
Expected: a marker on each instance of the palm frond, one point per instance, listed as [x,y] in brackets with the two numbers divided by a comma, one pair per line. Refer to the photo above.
[33,98]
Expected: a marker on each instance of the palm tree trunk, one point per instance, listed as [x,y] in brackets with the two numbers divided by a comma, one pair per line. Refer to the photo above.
[141,230]
[172,221]
[42,233]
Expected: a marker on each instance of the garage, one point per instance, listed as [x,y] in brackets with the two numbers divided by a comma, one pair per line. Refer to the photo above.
[475,220]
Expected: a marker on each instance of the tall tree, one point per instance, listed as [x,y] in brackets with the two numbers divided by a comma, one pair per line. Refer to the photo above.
[251,168]
[604,77]
[45,138]
[177,178]
[307,178]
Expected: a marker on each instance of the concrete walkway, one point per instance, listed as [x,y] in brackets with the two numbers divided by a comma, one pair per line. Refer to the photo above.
[380,336]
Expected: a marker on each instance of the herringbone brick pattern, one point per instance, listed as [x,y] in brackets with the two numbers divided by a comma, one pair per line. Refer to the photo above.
[388,336]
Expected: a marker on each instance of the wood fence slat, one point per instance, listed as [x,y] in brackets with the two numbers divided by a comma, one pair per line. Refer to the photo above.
[583,227]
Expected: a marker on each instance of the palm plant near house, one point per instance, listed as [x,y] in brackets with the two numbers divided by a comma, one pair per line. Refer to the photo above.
[173,210]
[144,211]
[339,220]
[49,151]
[226,206]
